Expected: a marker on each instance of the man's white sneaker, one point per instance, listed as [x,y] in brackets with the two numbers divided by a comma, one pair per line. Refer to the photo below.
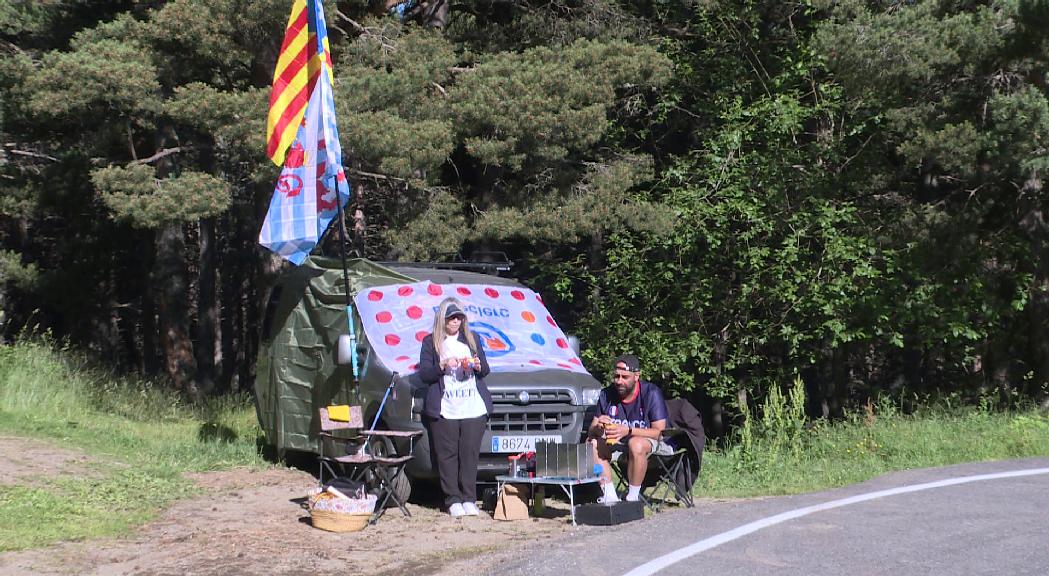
[457,510]
[471,509]
[607,499]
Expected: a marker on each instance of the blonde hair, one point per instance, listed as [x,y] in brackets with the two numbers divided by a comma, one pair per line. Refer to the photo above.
[439,333]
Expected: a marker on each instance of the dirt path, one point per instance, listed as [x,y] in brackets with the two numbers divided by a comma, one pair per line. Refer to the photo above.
[25,459]
[254,523]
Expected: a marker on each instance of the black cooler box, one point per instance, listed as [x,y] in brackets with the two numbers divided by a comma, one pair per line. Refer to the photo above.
[609,514]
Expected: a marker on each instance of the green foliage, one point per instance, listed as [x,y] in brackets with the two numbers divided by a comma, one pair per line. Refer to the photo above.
[877,440]
[107,77]
[235,120]
[439,231]
[136,196]
[21,17]
[14,272]
[767,445]
[956,125]
[541,105]
[410,149]
[400,71]
[601,201]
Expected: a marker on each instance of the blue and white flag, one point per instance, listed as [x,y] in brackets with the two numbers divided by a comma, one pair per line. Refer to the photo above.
[313,180]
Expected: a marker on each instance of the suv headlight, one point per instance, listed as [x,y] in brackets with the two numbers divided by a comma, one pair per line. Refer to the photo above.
[590,396]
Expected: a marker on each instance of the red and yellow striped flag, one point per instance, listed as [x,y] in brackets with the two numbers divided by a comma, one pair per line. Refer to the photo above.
[291,90]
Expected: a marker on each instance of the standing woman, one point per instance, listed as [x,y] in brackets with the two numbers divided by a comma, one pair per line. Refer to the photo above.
[457,404]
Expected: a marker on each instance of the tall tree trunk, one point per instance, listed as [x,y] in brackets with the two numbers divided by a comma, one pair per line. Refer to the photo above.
[1037,227]
[148,321]
[207,309]
[172,289]
[597,267]
[232,297]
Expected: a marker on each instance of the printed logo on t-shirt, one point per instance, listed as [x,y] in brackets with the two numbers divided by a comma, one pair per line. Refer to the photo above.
[458,393]
[631,423]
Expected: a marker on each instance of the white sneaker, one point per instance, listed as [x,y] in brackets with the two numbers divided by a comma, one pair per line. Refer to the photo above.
[471,509]
[456,510]
[612,499]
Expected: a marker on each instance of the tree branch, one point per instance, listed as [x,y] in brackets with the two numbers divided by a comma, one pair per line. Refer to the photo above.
[159,155]
[364,174]
[131,142]
[31,154]
[352,22]
[12,46]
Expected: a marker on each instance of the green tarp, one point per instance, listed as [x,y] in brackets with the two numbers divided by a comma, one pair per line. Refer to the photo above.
[296,371]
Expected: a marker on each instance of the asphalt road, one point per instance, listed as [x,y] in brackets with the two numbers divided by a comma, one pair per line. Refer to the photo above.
[973,519]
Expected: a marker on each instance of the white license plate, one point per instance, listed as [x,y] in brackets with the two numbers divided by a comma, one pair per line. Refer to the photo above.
[519,443]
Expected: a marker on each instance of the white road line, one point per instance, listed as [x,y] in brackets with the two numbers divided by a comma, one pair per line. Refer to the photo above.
[653,566]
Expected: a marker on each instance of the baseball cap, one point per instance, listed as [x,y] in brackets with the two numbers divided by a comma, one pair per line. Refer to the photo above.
[452,311]
[629,361]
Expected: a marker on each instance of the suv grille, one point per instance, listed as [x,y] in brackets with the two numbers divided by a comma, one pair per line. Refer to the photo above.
[547,410]
[530,421]
[534,397]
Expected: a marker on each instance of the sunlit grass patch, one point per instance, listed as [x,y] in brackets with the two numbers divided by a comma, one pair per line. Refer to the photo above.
[73,507]
[146,434]
[778,459]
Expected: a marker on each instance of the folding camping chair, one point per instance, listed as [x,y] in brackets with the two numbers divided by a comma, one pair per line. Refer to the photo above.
[660,481]
[386,469]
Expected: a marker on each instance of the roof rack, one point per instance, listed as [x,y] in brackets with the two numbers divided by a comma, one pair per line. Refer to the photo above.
[484,262]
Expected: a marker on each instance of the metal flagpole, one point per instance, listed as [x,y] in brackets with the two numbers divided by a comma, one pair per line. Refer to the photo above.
[349,300]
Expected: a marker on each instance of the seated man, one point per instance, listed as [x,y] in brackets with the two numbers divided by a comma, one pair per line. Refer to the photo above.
[631,415]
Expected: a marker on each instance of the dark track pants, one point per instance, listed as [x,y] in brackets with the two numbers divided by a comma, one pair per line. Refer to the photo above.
[457,447]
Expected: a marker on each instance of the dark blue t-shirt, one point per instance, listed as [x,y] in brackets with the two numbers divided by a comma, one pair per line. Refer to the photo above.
[648,407]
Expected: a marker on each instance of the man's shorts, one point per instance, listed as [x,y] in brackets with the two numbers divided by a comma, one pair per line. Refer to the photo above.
[658,447]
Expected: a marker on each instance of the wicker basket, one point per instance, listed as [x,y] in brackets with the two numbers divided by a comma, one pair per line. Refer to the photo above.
[351,518]
[339,521]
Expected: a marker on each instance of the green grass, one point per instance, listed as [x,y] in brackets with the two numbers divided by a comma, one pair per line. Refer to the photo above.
[72,508]
[146,437]
[876,441]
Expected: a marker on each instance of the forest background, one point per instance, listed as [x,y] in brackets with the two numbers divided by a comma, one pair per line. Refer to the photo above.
[743,192]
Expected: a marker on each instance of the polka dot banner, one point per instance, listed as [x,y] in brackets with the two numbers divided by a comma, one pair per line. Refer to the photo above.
[508,321]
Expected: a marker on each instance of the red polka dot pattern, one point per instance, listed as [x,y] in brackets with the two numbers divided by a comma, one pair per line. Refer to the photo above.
[505,320]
